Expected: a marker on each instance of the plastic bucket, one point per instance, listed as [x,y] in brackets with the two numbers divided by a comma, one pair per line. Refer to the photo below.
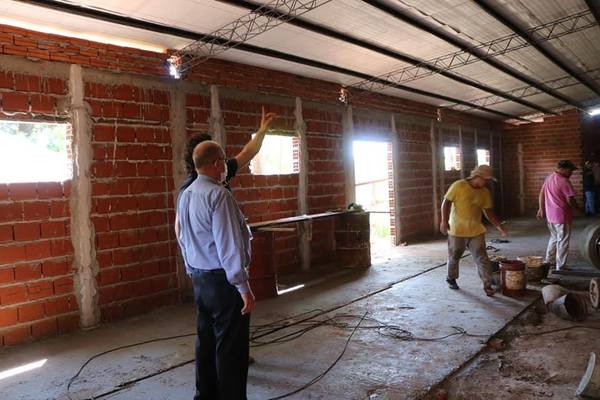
[512,278]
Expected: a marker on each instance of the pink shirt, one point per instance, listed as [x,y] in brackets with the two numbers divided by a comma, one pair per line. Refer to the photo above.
[557,190]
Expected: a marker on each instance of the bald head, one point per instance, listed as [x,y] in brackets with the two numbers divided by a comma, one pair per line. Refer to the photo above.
[206,153]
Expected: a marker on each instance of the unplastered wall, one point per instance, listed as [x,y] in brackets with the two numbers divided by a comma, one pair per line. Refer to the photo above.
[543,144]
[36,275]
[132,205]
[138,120]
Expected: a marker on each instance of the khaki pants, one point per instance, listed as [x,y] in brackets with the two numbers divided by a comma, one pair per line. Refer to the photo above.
[456,248]
[558,245]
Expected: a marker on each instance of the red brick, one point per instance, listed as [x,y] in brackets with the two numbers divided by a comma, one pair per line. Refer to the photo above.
[63,285]
[131,111]
[6,233]
[53,229]
[38,250]
[49,190]
[11,212]
[15,101]
[3,191]
[17,336]
[7,275]
[11,254]
[27,83]
[15,50]
[59,209]
[112,110]
[23,191]
[57,305]
[108,277]
[108,240]
[125,134]
[61,247]
[56,86]
[36,210]
[7,80]
[13,294]
[68,323]
[136,152]
[27,231]
[44,328]
[8,316]
[131,273]
[123,92]
[104,133]
[54,268]
[40,290]
[31,312]
[42,103]
[27,272]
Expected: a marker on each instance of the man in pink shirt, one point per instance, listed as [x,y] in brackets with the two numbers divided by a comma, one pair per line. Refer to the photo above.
[557,201]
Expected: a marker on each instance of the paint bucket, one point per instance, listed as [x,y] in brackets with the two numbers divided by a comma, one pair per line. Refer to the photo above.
[512,278]
[568,307]
[589,387]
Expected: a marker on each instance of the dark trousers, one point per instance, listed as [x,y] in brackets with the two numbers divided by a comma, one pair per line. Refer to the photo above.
[222,342]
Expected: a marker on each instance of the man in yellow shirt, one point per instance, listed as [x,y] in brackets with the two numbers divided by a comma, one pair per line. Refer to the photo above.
[462,209]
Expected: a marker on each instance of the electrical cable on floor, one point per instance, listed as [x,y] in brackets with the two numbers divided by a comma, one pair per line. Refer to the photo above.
[161,339]
[399,334]
[322,374]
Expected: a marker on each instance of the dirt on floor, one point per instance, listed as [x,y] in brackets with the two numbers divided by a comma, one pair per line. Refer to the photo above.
[538,356]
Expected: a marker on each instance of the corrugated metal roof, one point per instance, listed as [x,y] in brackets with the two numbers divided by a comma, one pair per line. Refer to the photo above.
[460,18]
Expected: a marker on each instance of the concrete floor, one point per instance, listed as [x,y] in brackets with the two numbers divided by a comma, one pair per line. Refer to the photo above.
[404,287]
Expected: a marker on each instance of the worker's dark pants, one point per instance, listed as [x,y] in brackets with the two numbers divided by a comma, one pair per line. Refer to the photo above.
[222,342]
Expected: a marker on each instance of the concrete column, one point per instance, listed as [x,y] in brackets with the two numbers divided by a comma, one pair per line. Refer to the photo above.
[501,173]
[305,227]
[178,119]
[442,169]
[462,153]
[521,179]
[82,229]
[434,175]
[348,134]
[396,175]
[475,146]
[216,122]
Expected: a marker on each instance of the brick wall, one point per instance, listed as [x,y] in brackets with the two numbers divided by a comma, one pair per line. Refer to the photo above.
[544,143]
[41,46]
[36,278]
[132,206]
[132,178]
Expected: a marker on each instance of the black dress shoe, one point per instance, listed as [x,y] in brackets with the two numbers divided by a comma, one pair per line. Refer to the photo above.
[452,284]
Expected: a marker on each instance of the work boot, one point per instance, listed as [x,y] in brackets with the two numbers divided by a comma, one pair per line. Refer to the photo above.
[452,284]
[489,290]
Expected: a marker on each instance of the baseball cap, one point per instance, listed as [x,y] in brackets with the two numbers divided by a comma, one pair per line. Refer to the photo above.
[483,171]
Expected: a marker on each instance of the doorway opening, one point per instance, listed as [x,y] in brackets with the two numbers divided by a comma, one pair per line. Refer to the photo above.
[373,187]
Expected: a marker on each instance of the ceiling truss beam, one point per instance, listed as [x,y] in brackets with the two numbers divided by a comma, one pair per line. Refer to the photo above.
[467,47]
[493,48]
[159,28]
[536,40]
[372,85]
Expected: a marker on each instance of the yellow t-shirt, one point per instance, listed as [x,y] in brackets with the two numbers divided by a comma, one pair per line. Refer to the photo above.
[468,204]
